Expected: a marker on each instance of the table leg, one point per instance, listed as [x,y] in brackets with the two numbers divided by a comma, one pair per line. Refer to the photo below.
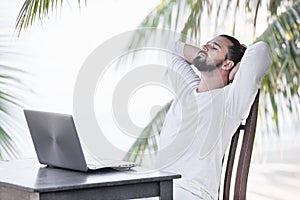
[7,193]
[166,190]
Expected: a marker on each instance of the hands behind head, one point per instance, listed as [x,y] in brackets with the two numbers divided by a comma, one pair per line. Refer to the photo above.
[233,72]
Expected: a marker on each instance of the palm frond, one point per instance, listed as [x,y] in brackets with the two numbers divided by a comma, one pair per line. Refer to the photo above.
[161,16]
[12,88]
[186,16]
[171,14]
[148,138]
[36,9]
[8,123]
[9,100]
[6,145]
[283,36]
[193,23]
[32,9]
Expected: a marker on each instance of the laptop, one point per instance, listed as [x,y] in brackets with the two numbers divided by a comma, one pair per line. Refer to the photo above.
[57,144]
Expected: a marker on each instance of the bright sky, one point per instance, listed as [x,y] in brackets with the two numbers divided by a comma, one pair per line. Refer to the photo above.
[58,48]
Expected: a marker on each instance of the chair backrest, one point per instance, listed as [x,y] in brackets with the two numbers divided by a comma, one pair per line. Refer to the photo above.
[245,153]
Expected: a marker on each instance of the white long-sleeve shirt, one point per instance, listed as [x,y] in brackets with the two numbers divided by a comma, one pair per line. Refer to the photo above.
[199,126]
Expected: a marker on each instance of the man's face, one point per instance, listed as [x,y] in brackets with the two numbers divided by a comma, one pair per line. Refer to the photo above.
[212,54]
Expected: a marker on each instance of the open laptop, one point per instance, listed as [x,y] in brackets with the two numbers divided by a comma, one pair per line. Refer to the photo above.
[57,144]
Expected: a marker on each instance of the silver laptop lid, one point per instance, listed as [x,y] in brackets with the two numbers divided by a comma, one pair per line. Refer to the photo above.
[55,140]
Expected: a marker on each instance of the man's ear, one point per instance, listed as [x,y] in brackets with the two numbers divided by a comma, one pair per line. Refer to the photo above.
[227,65]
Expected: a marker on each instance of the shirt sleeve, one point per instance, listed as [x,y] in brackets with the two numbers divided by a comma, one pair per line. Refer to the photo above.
[179,70]
[254,65]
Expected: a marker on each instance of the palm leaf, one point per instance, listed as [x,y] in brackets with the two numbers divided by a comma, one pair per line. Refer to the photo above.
[10,86]
[283,36]
[147,139]
[36,9]
[6,144]
[12,89]
[171,14]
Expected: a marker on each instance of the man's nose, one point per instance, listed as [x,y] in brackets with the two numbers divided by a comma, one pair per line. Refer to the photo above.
[204,48]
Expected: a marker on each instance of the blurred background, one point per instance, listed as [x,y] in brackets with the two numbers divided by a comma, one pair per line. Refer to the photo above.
[44,44]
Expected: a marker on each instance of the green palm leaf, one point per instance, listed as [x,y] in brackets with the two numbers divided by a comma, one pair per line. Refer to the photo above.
[6,144]
[9,89]
[283,36]
[33,9]
[186,16]
[147,141]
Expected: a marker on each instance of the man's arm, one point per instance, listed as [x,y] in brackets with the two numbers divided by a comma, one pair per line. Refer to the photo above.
[180,71]
[254,65]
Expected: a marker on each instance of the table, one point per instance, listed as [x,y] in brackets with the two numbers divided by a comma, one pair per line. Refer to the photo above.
[26,179]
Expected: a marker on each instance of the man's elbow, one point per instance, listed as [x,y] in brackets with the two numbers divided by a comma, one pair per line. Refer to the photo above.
[264,51]
[261,52]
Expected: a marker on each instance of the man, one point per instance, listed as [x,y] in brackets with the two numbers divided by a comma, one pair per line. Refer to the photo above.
[206,111]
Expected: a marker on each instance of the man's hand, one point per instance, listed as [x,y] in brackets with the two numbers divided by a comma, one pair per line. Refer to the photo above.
[233,72]
[190,52]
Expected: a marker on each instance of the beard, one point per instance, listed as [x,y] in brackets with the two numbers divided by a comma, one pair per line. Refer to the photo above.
[201,64]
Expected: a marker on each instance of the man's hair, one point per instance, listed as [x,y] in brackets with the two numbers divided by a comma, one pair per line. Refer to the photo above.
[236,51]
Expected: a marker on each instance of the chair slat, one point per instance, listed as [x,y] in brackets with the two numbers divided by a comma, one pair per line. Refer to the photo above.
[229,166]
[244,155]
[246,152]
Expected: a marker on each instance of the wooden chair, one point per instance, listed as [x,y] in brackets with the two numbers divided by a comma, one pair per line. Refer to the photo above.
[243,164]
